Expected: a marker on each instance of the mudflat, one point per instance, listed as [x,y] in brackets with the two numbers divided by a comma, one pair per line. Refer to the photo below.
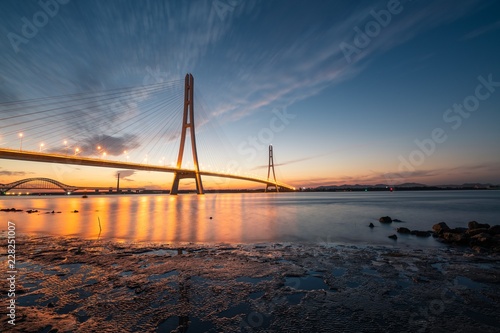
[76,285]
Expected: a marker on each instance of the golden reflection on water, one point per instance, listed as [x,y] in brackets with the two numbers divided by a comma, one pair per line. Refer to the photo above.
[182,218]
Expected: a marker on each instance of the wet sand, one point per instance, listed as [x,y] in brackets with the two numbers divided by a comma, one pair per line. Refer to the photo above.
[74,285]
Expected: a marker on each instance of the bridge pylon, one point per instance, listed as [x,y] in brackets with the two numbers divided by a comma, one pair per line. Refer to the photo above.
[188,122]
[269,168]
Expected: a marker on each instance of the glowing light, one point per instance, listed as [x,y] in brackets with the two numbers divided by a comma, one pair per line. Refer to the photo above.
[21,135]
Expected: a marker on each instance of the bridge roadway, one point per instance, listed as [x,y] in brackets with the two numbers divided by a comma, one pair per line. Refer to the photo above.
[12,154]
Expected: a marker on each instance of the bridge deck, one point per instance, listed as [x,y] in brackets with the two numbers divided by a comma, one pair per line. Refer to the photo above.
[86,161]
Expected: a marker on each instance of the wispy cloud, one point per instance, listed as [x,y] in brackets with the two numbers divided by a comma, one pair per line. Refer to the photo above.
[14,173]
[302,66]
[111,145]
[483,30]
[125,175]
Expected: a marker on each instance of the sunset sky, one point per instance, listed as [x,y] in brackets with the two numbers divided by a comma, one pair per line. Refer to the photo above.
[360,92]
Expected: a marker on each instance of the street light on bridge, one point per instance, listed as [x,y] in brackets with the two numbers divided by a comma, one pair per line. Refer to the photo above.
[41,146]
[66,146]
[21,145]
[77,150]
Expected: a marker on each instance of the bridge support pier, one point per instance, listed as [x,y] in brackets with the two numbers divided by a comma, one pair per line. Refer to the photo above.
[182,175]
[188,122]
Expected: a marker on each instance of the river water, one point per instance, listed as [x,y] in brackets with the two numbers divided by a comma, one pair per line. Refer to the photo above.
[335,217]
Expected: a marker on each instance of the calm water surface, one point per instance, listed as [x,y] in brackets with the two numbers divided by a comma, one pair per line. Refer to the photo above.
[250,218]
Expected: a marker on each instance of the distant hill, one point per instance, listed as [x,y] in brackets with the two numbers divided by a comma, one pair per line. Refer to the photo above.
[404,186]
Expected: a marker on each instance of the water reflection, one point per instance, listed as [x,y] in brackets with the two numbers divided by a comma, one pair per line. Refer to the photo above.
[183,218]
[248,218]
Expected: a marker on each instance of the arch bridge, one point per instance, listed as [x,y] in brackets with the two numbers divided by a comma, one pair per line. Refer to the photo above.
[37,184]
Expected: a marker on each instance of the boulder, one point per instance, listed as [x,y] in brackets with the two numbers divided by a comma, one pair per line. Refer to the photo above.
[371,225]
[393,237]
[420,233]
[385,219]
[473,232]
[476,225]
[440,227]
[458,230]
[482,238]
[456,238]
[403,230]
[494,230]
[479,249]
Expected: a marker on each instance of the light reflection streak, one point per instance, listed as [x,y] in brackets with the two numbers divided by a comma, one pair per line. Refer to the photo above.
[182,218]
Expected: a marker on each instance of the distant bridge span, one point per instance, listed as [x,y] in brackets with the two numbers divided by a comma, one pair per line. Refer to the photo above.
[38,183]
[12,154]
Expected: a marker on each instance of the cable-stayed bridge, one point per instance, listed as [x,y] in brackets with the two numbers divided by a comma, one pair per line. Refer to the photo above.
[97,126]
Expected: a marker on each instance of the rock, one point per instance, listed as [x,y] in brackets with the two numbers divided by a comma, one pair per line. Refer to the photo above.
[494,230]
[385,219]
[10,210]
[476,225]
[420,233]
[481,239]
[403,230]
[479,249]
[440,227]
[456,238]
[393,237]
[397,220]
[458,230]
[371,225]
[473,232]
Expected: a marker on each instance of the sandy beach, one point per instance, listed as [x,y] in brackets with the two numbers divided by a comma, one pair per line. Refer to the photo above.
[75,285]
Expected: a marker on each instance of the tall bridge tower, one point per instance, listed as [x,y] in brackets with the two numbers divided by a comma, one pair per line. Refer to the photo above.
[269,168]
[188,122]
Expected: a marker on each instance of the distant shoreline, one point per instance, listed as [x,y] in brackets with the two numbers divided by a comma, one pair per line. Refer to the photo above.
[346,188]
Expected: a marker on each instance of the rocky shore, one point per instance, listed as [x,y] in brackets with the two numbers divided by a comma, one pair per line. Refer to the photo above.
[480,237]
[75,285]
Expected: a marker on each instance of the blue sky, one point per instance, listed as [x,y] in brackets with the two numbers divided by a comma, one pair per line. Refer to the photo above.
[281,73]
